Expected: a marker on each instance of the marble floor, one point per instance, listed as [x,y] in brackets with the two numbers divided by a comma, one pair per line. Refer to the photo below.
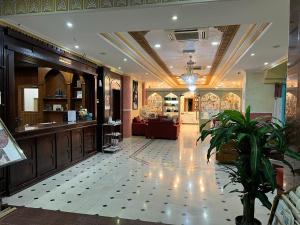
[152,180]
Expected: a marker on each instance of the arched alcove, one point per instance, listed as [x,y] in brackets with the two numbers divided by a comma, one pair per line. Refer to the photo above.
[55,84]
[231,101]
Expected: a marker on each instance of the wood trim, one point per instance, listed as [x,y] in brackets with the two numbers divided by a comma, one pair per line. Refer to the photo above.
[139,37]
[229,33]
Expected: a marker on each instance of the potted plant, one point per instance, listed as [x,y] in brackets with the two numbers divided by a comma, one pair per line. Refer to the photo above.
[255,141]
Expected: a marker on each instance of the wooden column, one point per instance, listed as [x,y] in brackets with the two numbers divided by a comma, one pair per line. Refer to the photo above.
[127,100]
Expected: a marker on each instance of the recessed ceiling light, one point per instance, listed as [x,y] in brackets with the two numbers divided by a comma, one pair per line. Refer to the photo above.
[125,59]
[266,63]
[215,43]
[119,67]
[157,45]
[208,67]
[171,67]
[175,17]
[76,46]
[252,54]
[69,24]
[147,73]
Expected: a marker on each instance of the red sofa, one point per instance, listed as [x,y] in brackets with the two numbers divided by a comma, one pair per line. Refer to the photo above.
[138,127]
[162,128]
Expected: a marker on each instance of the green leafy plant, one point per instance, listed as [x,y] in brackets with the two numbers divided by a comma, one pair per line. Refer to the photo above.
[255,141]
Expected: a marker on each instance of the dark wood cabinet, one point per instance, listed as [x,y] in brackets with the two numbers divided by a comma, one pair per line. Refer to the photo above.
[89,140]
[77,145]
[24,171]
[63,149]
[49,151]
[45,154]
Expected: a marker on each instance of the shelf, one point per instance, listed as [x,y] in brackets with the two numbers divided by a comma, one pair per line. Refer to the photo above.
[52,111]
[77,88]
[54,98]
[77,99]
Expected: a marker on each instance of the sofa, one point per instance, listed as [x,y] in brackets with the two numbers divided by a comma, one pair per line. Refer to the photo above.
[162,128]
[138,126]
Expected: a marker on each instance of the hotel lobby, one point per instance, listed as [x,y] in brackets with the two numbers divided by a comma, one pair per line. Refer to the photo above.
[141,112]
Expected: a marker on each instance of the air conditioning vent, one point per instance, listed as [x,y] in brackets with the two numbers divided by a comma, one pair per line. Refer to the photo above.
[189,34]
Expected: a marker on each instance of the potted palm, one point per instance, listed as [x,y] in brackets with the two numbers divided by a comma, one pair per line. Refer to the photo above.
[255,141]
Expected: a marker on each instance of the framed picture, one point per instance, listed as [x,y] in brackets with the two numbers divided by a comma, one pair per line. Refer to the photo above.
[10,152]
[135,95]
[57,107]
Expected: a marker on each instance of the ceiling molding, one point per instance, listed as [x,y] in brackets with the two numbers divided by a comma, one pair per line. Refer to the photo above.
[122,44]
[229,33]
[38,7]
[253,33]
[139,37]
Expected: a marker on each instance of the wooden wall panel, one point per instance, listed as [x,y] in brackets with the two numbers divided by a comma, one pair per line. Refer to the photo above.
[45,154]
[63,148]
[77,145]
[24,171]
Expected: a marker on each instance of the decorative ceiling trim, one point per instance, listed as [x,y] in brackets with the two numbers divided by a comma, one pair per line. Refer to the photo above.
[121,43]
[253,33]
[139,37]
[229,33]
[42,7]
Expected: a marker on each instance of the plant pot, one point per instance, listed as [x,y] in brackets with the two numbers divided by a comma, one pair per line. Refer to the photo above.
[238,221]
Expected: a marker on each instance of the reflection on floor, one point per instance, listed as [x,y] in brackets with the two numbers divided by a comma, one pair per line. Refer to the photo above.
[152,180]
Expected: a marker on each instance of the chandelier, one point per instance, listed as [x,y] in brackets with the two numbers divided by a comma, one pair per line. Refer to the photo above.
[189,77]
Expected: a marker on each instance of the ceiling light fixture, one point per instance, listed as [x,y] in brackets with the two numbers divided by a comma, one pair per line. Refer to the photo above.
[252,54]
[192,88]
[266,63]
[119,67]
[157,45]
[69,24]
[147,73]
[76,46]
[125,59]
[171,67]
[208,67]
[189,77]
[215,43]
[175,18]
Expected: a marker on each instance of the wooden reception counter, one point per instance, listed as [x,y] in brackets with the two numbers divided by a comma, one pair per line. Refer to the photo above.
[50,147]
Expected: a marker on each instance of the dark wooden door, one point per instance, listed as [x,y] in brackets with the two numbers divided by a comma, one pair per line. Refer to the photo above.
[25,170]
[63,149]
[45,154]
[89,140]
[77,145]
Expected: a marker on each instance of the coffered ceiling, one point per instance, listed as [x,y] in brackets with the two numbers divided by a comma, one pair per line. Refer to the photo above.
[113,37]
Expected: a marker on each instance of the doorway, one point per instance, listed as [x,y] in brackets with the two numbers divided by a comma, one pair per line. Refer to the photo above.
[189,108]
[116,103]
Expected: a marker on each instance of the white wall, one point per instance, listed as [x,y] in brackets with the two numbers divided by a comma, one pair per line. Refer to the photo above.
[258,95]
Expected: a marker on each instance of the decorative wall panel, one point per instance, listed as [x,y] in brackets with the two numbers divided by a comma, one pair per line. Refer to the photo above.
[209,105]
[231,101]
[291,105]
[11,7]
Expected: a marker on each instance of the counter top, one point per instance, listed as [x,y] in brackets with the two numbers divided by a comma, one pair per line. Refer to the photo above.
[46,128]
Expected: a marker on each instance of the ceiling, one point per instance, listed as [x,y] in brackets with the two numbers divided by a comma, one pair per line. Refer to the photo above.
[102,35]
